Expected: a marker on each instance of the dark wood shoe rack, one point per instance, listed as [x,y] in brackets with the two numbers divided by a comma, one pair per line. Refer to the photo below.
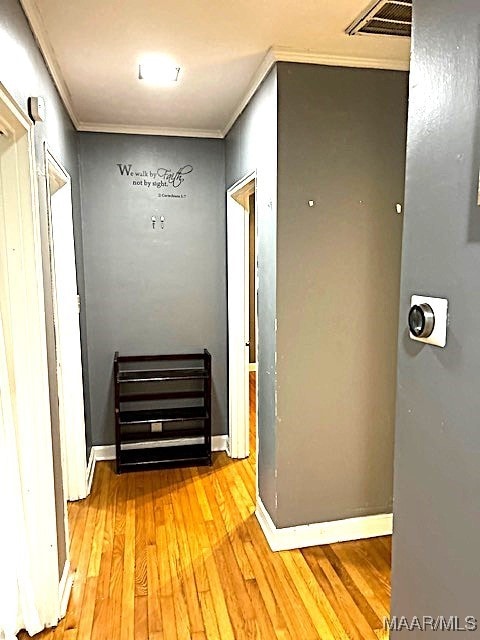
[162,411]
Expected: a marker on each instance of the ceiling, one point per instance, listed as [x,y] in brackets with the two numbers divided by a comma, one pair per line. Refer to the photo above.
[223,47]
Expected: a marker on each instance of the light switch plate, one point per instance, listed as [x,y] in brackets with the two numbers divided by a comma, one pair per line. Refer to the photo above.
[439,307]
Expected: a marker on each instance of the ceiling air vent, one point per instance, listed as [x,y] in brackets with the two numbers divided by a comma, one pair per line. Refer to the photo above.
[384,18]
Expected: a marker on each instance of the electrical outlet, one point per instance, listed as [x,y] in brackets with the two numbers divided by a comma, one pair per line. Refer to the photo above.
[157,427]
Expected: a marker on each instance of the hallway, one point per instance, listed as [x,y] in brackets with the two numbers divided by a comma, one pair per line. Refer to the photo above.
[179,554]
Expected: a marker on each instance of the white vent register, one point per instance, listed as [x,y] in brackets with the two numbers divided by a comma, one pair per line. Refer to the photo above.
[385,18]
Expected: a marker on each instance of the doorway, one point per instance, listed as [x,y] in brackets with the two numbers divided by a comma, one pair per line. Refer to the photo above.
[34,564]
[242,314]
[252,283]
[66,309]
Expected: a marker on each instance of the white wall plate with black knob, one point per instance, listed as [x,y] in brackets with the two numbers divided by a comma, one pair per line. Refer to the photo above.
[427,320]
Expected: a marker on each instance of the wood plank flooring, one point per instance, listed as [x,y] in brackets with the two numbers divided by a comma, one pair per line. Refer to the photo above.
[179,555]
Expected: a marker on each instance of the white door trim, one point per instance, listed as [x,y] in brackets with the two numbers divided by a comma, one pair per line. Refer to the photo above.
[30,355]
[67,330]
[238,315]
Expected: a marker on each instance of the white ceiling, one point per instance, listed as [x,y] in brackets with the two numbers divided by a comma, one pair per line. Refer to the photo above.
[93,48]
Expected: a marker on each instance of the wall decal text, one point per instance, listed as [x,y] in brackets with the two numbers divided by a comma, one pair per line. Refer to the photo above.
[161,178]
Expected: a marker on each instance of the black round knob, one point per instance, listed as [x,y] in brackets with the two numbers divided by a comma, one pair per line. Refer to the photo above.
[421,320]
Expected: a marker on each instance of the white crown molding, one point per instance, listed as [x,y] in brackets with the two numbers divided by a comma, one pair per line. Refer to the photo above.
[284,54]
[259,76]
[149,131]
[310,535]
[40,33]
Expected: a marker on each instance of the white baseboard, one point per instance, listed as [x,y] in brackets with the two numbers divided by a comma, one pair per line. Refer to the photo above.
[309,535]
[104,452]
[99,453]
[107,452]
[219,443]
[252,366]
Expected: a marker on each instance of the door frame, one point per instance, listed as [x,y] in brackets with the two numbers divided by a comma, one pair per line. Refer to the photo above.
[29,350]
[72,439]
[238,313]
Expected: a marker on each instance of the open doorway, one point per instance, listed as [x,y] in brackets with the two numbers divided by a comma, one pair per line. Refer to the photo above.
[242,316]
[66,309]
[252,284]
[252,323]
[34,581]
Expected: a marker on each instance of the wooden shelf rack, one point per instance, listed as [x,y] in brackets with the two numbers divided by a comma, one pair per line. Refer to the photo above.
[162,410]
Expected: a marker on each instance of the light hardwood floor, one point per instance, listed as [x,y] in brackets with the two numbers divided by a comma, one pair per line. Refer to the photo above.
[179,555]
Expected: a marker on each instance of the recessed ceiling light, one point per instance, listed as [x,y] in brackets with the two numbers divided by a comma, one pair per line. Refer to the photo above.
[158,70]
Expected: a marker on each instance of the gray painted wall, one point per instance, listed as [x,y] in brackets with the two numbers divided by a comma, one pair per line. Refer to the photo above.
[251,145]
[153,290]
[23,73]
[341,143]
[437,443]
